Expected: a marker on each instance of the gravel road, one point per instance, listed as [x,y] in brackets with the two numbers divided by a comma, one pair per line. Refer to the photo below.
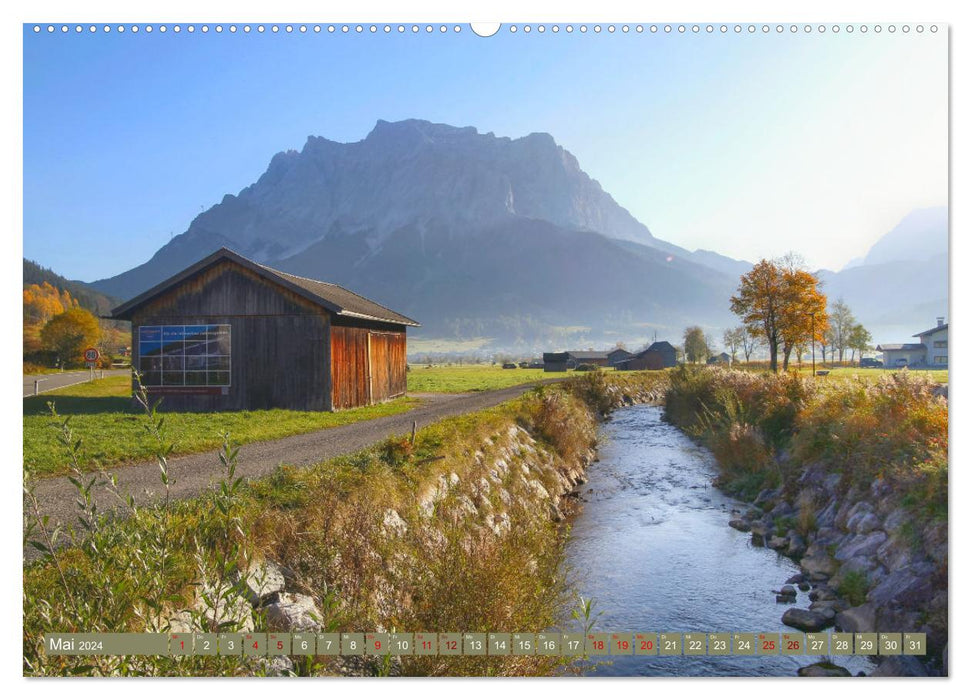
[192,474]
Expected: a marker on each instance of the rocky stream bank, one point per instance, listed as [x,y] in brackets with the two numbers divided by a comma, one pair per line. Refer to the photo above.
[867,565]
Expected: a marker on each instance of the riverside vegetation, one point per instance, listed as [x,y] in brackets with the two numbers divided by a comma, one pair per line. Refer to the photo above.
[848,477]
[459,528]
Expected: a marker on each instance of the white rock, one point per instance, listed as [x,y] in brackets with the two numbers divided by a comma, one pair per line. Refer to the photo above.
[294,612]
[261,580]
[393,524]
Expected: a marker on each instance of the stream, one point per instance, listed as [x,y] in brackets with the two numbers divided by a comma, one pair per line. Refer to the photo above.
[653,548]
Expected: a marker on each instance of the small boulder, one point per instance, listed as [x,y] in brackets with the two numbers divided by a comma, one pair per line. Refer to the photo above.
[806,620]
[261,581]
[294,612]
[823,669]
[900,666]
[777,542]
[819,564]
[740,524]
[862,618]
[797,546]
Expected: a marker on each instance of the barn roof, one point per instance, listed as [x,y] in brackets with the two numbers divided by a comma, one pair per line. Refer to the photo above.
[586,355]
[332,297]
[659,346]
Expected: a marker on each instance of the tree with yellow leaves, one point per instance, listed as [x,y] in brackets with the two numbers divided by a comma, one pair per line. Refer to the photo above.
[780,300]
[69,333]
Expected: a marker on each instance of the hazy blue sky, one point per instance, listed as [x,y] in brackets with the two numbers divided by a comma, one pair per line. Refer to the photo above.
[751,145]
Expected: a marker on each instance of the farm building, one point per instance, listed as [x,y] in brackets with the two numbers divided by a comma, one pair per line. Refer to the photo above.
[722,358]
[658,355]
[230,334]
[586,357]
[555,361]
[618,355]
[571,359]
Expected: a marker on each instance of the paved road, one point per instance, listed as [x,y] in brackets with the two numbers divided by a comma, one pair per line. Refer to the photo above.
[63,379]
[193,474]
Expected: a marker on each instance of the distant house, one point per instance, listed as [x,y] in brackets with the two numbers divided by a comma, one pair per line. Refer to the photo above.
[555,361]
[586,357]
[658,355]
[618,355]
[571,359]
[722,358]
[930,352]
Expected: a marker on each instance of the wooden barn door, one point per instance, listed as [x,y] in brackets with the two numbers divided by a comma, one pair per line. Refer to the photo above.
[386,366]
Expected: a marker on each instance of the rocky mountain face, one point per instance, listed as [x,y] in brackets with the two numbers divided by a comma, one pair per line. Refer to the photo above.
[467,232]
[901,285]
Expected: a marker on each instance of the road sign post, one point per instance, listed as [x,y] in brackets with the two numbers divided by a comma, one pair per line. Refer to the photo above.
[91,356]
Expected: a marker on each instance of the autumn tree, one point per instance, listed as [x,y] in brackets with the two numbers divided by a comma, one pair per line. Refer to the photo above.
[695,344]
[69,333]
[779,300]
[41,303]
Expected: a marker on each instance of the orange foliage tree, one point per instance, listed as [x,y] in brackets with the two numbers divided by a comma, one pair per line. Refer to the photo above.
[780,301]
[42,302]
[69,333]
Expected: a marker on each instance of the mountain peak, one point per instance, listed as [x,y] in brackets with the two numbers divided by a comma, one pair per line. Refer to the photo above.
[418,128]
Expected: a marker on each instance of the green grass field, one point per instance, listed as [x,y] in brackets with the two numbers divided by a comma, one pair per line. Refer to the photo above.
[458,379]
[114,432]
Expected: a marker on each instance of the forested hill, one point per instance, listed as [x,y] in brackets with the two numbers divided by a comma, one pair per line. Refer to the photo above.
[94,301]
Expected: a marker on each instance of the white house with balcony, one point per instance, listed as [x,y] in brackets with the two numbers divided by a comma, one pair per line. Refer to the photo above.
[931,351]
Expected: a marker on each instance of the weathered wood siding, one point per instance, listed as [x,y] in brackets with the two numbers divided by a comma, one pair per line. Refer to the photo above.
[280,349]
[369,363]
[349,361]
[388,365]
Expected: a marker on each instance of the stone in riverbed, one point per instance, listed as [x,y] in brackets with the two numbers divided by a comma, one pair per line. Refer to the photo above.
[740,524]
[797,545]
[900,666]
[823,669]
[806,620]
[862,618]
[819,564]
[777,542]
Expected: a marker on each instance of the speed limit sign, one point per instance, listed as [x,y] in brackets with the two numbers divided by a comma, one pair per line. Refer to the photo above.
[91,355]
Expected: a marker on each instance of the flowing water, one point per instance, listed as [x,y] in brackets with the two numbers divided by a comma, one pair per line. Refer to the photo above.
[653,548]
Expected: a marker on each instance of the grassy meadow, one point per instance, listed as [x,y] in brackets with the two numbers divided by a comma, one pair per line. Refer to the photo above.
[114,431]
[460,379]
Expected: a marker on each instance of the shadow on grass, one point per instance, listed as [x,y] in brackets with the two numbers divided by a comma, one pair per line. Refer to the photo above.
[34,405]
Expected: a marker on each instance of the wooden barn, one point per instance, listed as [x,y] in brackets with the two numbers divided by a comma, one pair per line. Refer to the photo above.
[555,361]
[230,334]
[658,355]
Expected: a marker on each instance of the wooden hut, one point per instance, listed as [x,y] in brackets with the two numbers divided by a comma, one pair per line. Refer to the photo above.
[555,361]
[230,334]
[658,355]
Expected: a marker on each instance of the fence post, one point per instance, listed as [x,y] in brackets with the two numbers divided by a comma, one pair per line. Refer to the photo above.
[36,387]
